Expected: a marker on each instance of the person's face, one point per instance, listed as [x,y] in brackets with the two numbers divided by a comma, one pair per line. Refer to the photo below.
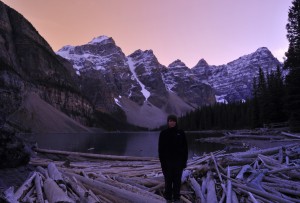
[171,123]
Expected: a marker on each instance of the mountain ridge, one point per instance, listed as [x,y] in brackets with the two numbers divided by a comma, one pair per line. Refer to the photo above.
[143,79]
[151,81]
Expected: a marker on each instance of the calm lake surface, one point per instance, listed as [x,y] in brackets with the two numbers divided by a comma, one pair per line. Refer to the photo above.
[143,144]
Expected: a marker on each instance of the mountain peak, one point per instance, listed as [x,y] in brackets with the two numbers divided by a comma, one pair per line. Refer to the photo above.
[262,49]
[201,63]
[100,39]
[177,64]
[141,52]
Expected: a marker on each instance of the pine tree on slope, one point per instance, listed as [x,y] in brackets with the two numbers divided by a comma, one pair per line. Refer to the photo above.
[293,64]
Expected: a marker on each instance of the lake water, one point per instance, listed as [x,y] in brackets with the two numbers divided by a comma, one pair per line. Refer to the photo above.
[143,144]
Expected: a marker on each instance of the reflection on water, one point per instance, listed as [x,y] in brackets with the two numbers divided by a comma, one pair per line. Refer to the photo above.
[119,143]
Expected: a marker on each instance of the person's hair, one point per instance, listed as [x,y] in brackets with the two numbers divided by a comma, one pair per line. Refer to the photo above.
[172,118]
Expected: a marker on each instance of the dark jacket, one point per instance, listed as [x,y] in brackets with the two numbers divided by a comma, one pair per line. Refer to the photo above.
[172,148]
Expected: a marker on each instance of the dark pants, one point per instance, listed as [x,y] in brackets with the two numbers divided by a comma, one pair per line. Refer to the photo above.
[172,173]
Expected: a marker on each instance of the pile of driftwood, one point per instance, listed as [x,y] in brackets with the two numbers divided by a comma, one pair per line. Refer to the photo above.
[239,139]
[268,175]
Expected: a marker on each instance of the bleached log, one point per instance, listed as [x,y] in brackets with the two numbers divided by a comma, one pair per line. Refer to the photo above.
[203,186]
[262,199]
[120,192]
[229,188]
[210,186]
[290,135]
[234,160]
[261,193]
[270,161]
[255,153]
[42,171]
[185,175]
[38,188]
[216,166]
[281,181]
[54,193]
[9,195]
[104,199]
[54,174]
[196,187]
[288,191]
[75,187]
[112,198]
[148,182]
[128,188]
[281,184]
[283,169]
[96,156]
[252,198]
[234,198]
[275,164]
[211,191]
[23,189]
[256,137]
[279,194]
[130,182]
[84,194]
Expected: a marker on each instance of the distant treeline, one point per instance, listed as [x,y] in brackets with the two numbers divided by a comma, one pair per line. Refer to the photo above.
[266,106]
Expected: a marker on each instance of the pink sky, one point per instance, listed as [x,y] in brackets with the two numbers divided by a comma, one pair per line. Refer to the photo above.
[217,30]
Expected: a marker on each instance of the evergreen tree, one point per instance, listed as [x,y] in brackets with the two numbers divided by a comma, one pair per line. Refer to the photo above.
[261,96]
[276,97]
[293,64]
[255,105]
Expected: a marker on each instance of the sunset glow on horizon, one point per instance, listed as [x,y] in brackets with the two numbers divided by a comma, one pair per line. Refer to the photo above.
[219,31]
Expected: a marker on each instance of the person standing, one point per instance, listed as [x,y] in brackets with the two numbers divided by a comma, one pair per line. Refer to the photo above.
[173,155]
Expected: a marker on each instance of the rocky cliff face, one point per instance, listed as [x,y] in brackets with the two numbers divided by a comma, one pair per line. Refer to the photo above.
[148,71]
[104,73]
[28,64]
[233,81]
[183,82]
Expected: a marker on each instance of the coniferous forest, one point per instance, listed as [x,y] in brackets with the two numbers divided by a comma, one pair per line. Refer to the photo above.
[267,106]
[276,98]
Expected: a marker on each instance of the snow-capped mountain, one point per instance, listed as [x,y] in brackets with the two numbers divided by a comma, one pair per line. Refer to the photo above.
[233,81]
[147,91]
[143,88]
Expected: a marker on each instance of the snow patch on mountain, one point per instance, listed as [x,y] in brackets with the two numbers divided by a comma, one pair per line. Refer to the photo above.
[169,84]
[65,51]
[118,102]
[221,99]
[144,91]
[99,39]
